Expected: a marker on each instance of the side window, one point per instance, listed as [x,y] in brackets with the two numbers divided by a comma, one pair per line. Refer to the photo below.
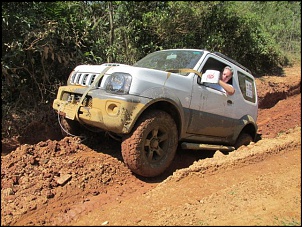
[247,87]
[214,64]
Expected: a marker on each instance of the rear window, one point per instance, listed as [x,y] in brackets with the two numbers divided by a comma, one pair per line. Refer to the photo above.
[247,87]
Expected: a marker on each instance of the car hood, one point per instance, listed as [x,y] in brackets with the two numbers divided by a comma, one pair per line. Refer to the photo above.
[144,80]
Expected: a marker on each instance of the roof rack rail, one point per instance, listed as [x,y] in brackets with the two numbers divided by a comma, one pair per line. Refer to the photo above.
[233,61]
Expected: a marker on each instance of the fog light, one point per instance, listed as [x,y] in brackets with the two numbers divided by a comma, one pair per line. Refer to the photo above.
[113,109]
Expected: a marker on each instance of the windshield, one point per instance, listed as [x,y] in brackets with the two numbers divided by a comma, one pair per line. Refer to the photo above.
[170,59]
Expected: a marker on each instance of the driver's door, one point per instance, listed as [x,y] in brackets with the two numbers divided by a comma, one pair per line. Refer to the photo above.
[210,112]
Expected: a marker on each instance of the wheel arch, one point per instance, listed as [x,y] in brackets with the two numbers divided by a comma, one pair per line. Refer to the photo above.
[168,106]
[247,125]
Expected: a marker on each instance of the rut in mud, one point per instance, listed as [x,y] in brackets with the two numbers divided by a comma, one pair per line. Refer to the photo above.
[72,182]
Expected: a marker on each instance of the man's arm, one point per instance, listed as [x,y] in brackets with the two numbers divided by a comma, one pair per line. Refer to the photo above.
[227,87]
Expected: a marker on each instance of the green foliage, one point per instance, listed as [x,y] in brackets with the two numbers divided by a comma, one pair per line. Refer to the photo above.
[50,40]
[282,21]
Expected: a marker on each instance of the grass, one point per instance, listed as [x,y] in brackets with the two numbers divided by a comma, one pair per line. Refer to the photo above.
[287,222]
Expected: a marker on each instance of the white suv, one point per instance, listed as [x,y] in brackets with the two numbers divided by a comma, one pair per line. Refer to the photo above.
[158,103]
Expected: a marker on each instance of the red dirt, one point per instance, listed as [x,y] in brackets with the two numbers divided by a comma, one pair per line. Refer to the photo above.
[69,182]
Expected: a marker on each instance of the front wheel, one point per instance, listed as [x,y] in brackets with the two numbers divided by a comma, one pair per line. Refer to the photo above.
[151,147]
[69,127]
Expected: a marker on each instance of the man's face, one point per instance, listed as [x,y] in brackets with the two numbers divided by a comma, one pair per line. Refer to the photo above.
[226,75]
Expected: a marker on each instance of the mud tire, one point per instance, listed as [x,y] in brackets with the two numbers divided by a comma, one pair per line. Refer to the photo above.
[70,128]
[243,139]
[149,150]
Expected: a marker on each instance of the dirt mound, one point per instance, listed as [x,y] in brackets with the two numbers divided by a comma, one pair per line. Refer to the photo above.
[74,182]
[245,155]
[33,175]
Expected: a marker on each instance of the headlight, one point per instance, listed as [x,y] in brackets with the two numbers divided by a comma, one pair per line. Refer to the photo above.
[118,83]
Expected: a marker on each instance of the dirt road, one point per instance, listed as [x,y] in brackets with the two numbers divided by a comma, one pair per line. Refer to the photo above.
[68,182]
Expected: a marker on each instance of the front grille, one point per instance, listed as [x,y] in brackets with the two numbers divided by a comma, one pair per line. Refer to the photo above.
[75,98]
[84,79]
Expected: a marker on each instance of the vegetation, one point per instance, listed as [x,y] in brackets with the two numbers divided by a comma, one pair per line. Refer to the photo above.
[43,41]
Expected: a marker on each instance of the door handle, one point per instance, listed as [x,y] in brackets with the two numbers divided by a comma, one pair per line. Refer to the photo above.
[229,102]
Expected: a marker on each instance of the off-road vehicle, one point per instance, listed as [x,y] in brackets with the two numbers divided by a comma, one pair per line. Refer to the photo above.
[161,102]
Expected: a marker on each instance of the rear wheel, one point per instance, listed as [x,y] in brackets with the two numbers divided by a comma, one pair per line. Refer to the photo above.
[243,139]
[151,147]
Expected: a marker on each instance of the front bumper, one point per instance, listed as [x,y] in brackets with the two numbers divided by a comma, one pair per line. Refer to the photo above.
[116,114]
